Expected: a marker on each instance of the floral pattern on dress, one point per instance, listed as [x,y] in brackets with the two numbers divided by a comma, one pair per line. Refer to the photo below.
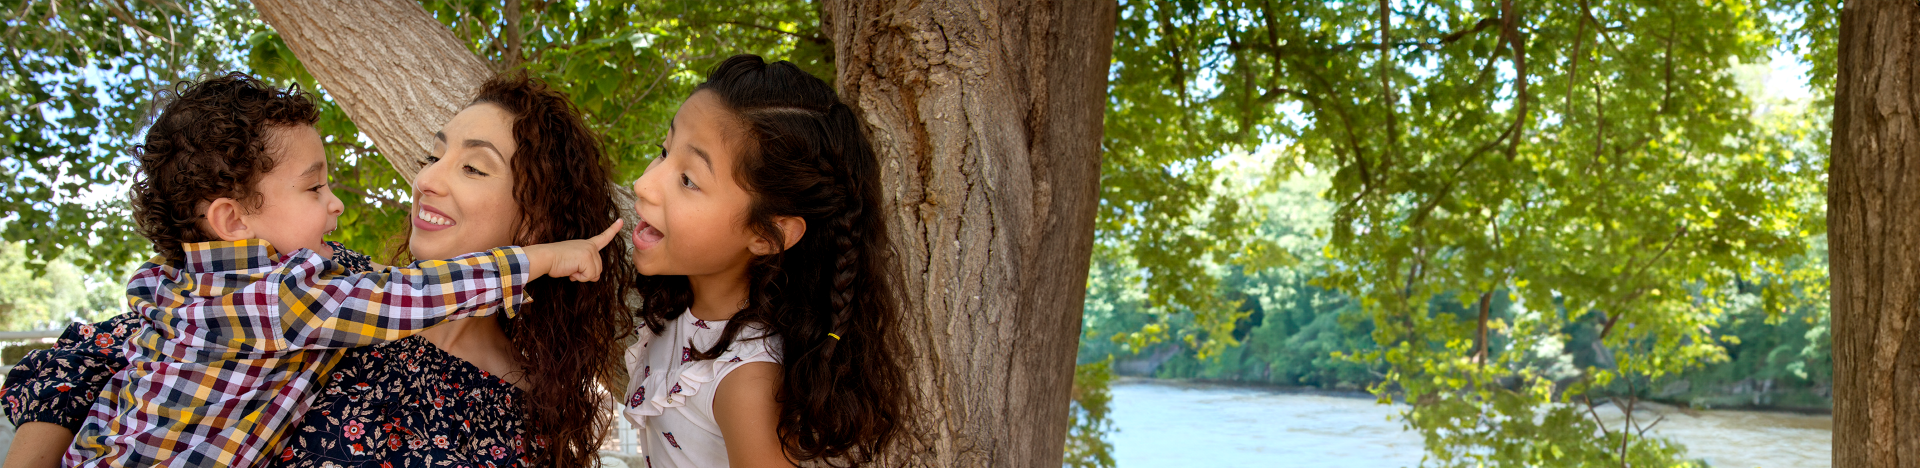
[58,385]
[354,261]
[447,413]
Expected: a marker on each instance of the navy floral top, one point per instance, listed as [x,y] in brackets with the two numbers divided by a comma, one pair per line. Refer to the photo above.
[404,403]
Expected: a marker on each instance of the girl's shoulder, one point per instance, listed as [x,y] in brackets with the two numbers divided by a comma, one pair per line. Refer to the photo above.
[665,370]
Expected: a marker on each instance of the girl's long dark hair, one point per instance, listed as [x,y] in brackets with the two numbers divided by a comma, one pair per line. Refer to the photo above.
[841,399]
[569,336]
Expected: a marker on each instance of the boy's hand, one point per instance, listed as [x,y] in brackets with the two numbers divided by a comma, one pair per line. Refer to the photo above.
[577,259]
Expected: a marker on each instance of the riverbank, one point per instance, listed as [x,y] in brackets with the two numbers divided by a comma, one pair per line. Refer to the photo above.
[1159,422]
[1235,384]
[1365,395]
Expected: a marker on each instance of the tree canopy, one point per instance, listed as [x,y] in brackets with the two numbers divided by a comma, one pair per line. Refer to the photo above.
[1594,164]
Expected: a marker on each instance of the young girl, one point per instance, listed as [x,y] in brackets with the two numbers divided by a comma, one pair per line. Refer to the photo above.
[769,332]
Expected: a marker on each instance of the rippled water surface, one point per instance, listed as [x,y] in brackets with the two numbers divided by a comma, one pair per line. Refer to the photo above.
[1167,424]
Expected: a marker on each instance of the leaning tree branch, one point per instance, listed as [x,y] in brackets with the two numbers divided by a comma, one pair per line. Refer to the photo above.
[1635,277]
[1510,30]
[119,10]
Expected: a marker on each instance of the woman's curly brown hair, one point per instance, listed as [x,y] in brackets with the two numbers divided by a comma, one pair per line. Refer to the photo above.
[208,142]
[570,336]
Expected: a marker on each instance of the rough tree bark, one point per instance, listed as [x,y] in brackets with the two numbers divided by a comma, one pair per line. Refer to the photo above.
[987,117]
[988,121]
[1873,195]
[396,71]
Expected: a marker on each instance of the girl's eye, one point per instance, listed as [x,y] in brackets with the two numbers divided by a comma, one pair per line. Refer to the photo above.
[663,152]
[316,188]
[687,182]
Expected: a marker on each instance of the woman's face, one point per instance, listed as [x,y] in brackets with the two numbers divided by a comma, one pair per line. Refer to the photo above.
[693,213]
[463,198]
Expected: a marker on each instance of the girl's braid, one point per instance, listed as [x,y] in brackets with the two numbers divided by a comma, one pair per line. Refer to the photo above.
[846,234]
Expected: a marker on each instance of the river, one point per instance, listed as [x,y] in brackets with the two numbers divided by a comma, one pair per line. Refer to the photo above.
[1158,423]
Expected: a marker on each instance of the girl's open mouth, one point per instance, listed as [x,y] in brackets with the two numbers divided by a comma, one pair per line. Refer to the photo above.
[645,236]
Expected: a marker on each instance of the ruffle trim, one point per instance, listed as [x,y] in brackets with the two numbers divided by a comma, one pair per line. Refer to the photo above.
[657,391]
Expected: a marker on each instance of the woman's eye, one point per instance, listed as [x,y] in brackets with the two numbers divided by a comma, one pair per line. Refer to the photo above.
[424,162]
[471,170]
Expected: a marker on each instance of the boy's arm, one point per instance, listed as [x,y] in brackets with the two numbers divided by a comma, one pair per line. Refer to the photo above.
[320,308]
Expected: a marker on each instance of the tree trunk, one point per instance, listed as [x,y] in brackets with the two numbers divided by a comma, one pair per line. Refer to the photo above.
[988,122]
[396,71]
[987,118]
[1874,235]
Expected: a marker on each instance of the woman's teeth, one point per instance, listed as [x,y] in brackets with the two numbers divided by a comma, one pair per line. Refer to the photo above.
[435,219]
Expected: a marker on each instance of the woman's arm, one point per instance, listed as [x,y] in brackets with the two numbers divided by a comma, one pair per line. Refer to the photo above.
[38,445]
[749,417]
[57,385]
[49,391]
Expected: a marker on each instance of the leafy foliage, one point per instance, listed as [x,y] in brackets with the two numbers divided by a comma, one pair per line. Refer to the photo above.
[75,82]
[1087,446]
[1592,162]
[59,292]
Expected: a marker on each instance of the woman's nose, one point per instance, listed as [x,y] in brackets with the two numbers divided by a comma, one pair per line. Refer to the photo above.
[428,181]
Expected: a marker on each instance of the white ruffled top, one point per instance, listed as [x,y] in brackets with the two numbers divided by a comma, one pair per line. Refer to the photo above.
[670,394]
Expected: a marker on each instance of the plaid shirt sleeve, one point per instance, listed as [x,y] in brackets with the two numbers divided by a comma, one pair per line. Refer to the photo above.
[321,307]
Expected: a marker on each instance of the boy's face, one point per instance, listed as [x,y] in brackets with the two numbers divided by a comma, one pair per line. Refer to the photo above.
[297,206]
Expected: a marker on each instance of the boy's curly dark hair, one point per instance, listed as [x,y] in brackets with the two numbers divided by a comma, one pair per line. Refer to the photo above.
[208,142]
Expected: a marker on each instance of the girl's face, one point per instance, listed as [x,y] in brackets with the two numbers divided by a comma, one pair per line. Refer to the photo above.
[463,198]
[693,213]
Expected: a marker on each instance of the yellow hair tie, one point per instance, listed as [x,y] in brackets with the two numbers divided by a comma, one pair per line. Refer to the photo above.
[835,337]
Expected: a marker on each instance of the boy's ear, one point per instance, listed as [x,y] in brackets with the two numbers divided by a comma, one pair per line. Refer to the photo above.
[791,228]
[225,220]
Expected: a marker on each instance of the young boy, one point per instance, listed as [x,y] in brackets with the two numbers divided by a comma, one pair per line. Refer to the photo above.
[243,310]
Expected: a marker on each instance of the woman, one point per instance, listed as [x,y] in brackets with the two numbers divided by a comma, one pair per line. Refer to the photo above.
[516,167]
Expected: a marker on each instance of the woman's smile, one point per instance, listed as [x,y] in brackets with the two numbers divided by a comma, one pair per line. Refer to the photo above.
[431,219]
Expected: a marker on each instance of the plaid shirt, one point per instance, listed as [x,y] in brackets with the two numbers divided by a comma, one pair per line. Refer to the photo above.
[235,342]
